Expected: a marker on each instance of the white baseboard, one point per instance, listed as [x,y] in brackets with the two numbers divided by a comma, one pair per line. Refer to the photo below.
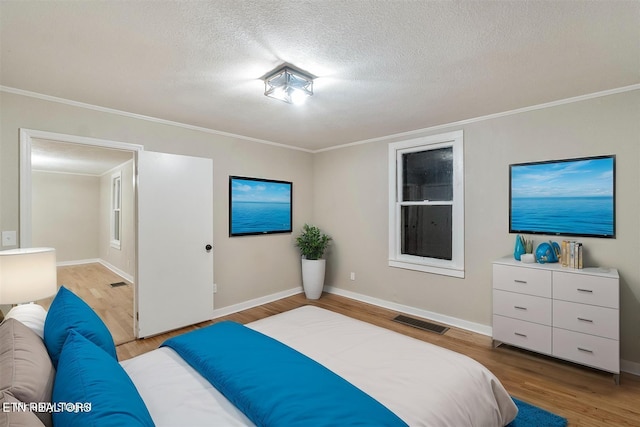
[77,262]
[116,270]
[441,318]
[625,365]
[113,268]
[225,311]
[630,367]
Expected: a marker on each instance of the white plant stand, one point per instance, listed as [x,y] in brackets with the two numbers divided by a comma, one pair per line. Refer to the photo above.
[313,277]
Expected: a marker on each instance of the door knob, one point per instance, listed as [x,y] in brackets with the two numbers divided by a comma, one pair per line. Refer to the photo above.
[208,248]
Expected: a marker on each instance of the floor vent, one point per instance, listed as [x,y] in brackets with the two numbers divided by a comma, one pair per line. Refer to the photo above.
[421,324]
[117,284]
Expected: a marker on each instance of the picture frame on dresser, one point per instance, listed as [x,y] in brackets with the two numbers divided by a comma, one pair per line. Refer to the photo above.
[570,314]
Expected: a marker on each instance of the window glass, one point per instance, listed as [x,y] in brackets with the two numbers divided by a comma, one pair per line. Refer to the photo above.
[426,231]
[426,204]
[428,175]
[116,203]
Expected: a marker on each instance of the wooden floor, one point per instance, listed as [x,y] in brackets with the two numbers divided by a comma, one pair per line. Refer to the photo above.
[114,305]
[584,396]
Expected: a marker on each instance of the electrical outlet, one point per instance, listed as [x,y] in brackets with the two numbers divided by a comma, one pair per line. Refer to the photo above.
[9,238]
[215,288]
[353,276]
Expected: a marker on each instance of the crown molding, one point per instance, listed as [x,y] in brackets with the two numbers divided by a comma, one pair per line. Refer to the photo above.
[580,98]
[418,132]
[143,117]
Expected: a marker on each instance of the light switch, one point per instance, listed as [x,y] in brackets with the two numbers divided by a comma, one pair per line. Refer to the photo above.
[9,238]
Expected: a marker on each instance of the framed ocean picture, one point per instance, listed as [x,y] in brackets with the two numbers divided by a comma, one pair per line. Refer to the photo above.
[259,206]
[572,197]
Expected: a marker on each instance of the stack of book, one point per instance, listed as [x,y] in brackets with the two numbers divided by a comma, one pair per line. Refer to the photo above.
[571,254]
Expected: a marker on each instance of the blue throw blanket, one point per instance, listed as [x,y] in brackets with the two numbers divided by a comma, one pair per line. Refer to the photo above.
[273,384]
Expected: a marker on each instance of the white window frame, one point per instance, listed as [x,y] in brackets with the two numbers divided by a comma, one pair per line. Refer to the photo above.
[454,267]
[116,206]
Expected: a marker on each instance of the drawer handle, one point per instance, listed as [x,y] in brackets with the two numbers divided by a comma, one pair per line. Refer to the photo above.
[585,350]
[519,334]
[524,282]
[519,308]
[589,291]
[585,320]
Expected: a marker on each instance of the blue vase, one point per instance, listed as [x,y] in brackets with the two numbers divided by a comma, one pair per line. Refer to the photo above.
[519,249]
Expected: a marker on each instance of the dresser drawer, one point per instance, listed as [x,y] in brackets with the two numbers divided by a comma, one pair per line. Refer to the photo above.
[531,336]
[598,352]
[524,307]
[530,281]
[588,319]
[586,289]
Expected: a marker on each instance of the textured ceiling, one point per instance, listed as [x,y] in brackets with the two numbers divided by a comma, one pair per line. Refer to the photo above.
[383,67]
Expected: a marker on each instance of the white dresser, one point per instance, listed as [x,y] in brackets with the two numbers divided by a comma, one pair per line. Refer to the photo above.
[572,314]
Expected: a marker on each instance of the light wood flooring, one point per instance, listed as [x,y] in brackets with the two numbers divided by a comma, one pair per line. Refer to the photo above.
[92,283]
[584,396]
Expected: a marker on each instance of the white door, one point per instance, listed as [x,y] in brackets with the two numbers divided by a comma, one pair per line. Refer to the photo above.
[175,234]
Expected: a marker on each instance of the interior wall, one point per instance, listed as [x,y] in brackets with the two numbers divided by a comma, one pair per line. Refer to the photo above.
[351,204]
[65,214]
[124,258]
[344,191]
[245,268]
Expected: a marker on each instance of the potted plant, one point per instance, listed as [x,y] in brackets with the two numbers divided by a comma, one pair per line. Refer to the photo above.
[312,244]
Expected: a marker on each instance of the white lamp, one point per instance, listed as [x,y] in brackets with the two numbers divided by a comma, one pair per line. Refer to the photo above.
[27,275]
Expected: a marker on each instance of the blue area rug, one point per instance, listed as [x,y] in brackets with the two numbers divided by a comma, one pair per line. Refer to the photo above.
[532,416]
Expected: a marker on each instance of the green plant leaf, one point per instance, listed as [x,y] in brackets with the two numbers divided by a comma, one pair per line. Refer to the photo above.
[312,242]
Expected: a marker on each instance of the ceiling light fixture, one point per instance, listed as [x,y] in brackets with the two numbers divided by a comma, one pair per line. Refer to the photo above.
[289,85]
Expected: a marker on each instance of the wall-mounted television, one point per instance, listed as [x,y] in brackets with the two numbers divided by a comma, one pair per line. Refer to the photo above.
[259,206]
[571,197]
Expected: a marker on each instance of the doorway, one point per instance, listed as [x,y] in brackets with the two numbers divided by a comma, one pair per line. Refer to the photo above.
[68,201]
[173,222]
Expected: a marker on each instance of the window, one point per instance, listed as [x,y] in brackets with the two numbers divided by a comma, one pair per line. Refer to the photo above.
[116,214]
[426,204]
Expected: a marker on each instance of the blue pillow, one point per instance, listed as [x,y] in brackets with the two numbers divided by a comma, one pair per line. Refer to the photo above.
[69,312]
[95,382]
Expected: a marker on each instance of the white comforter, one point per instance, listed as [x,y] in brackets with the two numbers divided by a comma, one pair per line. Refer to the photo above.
[423,384]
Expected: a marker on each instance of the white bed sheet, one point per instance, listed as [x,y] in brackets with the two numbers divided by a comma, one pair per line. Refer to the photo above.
[425,385]
[176,395]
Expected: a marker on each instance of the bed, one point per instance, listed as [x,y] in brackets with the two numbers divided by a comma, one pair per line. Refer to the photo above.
[419,383]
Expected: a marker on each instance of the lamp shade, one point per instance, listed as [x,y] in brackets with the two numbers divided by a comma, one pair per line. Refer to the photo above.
[27,275]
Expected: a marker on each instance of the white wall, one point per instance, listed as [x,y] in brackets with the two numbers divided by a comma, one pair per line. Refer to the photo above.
[245,267]
[71,212]
[351,204]
[344,191]
[65,211]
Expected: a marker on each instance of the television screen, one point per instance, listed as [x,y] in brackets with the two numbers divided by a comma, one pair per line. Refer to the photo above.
[572,197]
[259,206]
